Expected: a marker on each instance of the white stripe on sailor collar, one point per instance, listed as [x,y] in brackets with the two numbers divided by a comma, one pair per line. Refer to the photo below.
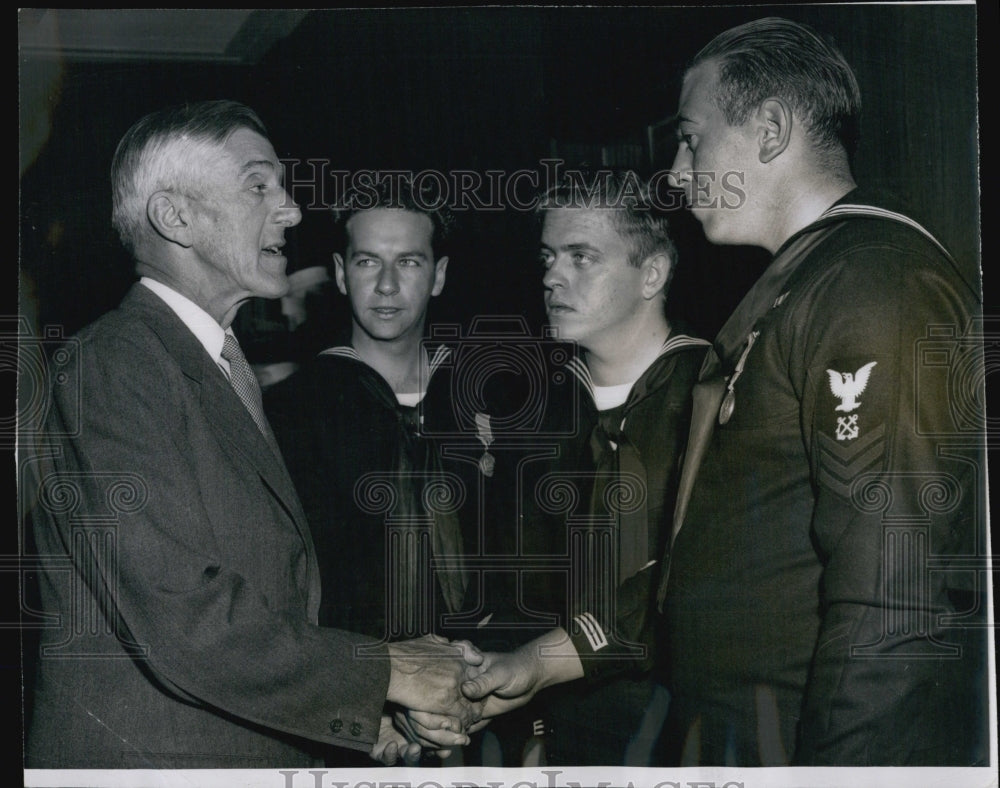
[851,209]
[579,368]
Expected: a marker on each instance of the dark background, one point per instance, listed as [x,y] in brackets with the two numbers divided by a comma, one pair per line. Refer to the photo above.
[480,89]
[483,89]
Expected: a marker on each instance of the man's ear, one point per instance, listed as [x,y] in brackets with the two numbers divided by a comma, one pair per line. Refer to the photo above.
[167,213]
[657,268]
[775,121]
[338,273]
[440,269]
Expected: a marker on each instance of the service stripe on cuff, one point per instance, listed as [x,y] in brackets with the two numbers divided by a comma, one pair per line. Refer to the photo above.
[592,630]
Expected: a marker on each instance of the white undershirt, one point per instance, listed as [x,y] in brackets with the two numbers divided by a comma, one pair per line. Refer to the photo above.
[608,397]
[410,400]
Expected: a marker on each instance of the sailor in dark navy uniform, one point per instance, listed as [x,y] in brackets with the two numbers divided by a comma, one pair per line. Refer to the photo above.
[392,513]
[820,604]
[596,511]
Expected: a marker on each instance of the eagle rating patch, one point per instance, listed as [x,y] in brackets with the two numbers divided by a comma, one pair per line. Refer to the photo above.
[851,420]
[847,387]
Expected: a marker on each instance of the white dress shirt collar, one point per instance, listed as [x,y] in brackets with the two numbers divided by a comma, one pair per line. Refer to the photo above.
[209,333]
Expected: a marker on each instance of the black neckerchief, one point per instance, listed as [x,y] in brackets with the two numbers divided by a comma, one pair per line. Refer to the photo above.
[416,476]
[620,480]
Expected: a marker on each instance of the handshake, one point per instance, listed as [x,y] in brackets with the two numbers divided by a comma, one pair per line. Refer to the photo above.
[441,691]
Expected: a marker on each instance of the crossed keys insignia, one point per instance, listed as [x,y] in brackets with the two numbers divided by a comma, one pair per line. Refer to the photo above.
[847,427]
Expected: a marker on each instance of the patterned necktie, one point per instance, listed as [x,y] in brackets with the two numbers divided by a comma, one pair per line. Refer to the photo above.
[245,382]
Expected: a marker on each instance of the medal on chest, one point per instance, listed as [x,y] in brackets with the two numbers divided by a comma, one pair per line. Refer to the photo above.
[484,431]
[729,400]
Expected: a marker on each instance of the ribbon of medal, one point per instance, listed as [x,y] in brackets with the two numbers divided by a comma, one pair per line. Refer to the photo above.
[729,400]
[485,434]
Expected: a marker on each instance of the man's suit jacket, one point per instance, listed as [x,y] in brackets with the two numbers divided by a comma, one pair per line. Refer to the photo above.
[178,572]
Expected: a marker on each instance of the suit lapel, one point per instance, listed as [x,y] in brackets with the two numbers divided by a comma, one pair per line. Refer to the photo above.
[230,421]
[234,427]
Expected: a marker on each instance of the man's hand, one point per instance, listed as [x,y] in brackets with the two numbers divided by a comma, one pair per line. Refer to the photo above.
[509,680]
[393,745]
[435,732]
[426,674]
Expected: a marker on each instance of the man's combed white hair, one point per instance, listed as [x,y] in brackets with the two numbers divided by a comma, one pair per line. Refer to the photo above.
[162,152]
